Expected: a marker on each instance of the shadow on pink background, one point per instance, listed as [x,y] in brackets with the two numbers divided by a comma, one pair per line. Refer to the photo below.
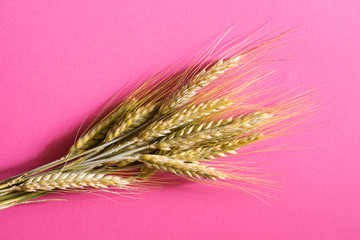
[61,60]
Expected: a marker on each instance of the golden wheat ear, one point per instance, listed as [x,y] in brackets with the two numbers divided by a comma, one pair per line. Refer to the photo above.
[185,122]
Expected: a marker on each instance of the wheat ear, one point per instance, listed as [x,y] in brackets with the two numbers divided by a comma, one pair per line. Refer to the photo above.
[132,120]
[97,134]
[219,150]
[196,128]
[212,132]
[70,180]
[202,79]
[188,135]
[184,116]
[181,167]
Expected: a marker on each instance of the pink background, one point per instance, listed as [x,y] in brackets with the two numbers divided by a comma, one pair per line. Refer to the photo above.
[61,60]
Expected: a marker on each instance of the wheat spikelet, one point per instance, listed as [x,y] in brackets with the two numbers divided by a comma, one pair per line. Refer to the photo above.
[219,150]
[97,134]
[131,121]
[202,79]
[70,180]
[180,167]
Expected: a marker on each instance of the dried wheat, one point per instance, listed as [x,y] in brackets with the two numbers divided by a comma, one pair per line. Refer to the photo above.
[202,79]
[97,134]
[163,127]
[218,150]
[70,180]
[212,132]
[184,116]
[181,167]
[132,120]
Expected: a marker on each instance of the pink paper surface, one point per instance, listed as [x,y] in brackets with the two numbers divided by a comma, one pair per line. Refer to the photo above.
[62,60]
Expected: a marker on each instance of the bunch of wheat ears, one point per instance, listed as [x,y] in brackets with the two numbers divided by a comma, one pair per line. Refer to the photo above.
[184,123]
